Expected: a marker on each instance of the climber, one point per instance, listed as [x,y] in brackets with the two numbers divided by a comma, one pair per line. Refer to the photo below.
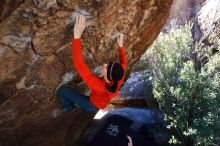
[104,88]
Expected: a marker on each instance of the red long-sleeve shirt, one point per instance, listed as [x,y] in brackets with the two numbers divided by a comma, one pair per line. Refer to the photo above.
[99,96]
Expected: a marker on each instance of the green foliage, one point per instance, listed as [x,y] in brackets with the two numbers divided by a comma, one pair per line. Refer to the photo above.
[186,84]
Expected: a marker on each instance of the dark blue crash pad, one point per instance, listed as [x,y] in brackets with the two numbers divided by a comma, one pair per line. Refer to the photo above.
[115,131]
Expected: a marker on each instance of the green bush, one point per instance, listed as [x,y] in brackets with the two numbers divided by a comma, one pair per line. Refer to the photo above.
[186,84]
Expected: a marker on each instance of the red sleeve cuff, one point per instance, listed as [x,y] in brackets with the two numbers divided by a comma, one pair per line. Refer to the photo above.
[78,39]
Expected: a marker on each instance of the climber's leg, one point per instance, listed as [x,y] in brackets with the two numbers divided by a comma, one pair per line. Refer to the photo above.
[67,105]
[69,96]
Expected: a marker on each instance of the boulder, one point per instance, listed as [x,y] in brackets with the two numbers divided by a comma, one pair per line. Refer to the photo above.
[209,17]
[183,11]
[35,56]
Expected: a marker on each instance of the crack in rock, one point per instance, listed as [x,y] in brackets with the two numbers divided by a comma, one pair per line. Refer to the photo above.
[18,42]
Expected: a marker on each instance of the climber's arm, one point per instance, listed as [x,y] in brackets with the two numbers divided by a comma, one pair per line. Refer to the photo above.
[122,57]
[91,80]
[121,52]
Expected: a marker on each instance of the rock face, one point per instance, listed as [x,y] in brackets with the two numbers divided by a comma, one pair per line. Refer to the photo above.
[205,15]
[209,17]
[183,10]
[35,56]
[7,6]
[137,86]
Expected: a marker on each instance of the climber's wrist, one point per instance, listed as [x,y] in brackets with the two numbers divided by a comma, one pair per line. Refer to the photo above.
[119,47]
[77,36]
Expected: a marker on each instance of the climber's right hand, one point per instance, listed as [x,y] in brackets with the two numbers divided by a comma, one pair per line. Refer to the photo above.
[79,26]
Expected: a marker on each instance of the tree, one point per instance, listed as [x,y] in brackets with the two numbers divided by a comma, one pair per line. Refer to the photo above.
[186,84]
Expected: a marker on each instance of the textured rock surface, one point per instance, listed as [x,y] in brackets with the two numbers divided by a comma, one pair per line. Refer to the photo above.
[7,6]
[204,13]
[137,86]
[184,10]
[209,17]
[35,56]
